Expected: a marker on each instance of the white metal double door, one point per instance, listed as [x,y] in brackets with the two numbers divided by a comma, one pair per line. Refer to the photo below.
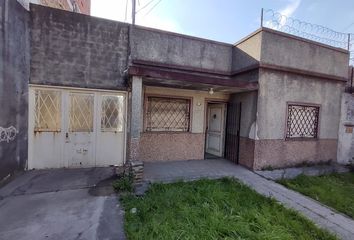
[76,128]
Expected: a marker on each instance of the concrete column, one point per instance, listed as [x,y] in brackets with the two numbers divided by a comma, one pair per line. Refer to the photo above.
[136,117]
[345,151]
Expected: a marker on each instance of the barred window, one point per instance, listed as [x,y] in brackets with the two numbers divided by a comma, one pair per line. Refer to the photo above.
[81,112]
[47,110]
[112,113]
[167,114]
[302,121]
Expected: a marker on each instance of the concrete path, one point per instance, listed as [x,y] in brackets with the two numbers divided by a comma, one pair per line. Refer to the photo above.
[61,204]
[321,215]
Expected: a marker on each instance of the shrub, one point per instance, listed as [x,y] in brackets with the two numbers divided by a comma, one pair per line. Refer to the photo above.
[124,183]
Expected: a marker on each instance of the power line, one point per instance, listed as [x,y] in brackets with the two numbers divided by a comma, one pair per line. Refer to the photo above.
[152,8]
[145,6]
[348,26]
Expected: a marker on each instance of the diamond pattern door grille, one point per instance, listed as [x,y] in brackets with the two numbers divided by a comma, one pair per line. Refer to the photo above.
[47,110]
[167,114]
[112,113]
[302,121]
[81,112]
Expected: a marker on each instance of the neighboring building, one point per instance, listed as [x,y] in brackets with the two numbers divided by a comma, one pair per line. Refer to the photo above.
[79,6]
[103,93]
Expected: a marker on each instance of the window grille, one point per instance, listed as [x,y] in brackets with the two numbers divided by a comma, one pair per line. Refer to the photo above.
[81,112]
[112,113]
[167,114]
[302,121]
[47,110]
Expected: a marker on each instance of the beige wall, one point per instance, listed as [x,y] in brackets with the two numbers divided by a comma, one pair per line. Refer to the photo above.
[247,52]
[168,146]
[198,98]
[287,51]
[275,90]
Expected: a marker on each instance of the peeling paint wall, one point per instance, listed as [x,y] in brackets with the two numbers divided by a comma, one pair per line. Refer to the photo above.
[14,76]
[275,90]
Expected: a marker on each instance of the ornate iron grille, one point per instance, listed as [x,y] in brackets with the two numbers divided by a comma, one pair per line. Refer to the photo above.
[167,114]
[81,112]
[112,113]
[47,110]
[302,121]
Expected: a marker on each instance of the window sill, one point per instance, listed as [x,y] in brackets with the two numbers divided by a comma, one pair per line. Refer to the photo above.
[166,132]
[301,139]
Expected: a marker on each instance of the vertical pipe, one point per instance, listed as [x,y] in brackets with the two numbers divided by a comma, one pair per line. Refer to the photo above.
[133,11]
[348,41]
[262,18]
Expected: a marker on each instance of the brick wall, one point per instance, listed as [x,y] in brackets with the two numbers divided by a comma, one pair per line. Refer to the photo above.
[76,50]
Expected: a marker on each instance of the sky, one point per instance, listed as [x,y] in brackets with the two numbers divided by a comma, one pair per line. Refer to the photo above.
[225,20]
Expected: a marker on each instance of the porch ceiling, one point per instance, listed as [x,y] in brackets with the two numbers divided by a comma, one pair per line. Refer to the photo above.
[157,74]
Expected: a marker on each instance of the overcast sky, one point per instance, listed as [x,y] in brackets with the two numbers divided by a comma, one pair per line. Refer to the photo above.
[225,20]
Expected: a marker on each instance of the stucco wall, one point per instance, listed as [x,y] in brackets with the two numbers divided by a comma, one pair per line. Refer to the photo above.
[247,52]
[282,50]
[247,125]
[14,76]
[198,99]
[72,49]
[175,49]
[275,90]
[166,146]
[345,153]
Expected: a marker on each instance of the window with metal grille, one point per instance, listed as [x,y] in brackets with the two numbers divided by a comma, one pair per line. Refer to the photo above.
[47,110]
[112,113]
[167,114]
[81,112]
[302,121]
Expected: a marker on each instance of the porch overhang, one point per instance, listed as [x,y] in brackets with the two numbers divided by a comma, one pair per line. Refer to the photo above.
[164,75]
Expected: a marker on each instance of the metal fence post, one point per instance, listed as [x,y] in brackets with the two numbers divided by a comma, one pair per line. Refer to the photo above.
[349,41]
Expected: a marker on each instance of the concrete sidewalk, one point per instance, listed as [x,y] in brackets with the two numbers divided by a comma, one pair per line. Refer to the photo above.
[321,215]
[61,204]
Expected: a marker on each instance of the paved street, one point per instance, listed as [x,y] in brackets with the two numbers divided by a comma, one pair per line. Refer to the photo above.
[61,204]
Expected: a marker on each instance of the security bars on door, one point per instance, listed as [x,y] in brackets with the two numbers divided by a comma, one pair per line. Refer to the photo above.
[47,110]
[302,121]
[167,114]
[112,113]
[81,112]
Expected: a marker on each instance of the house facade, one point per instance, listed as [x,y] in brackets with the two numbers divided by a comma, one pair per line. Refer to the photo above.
[79,6]
[95,92]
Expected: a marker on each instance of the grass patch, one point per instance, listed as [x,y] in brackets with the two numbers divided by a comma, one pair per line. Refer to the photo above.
[334,190]
[213,209]
[124,183]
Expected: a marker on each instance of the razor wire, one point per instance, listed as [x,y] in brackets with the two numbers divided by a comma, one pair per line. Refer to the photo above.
[8,134]
[275,20]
